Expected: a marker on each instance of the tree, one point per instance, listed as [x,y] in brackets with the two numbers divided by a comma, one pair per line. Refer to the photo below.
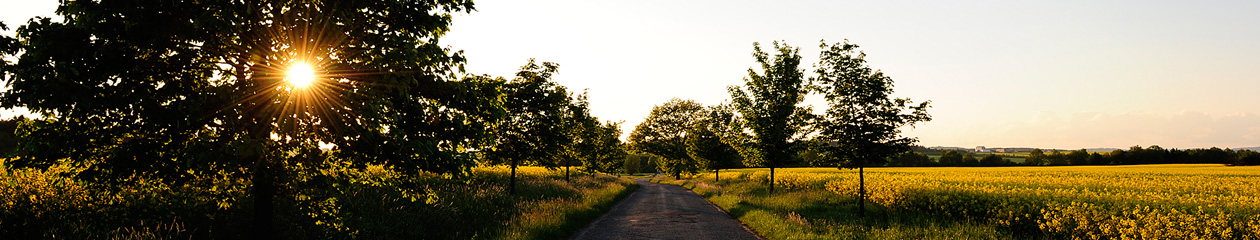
[537,126]
[969,160]
[172,89]
[1246,158]
[8,135]
[664,134]
[862,118]
[1056,158]
[1078,157]
[992,160]
[950,158]
[909,159]
[1117,157]
[601,149]
[766,107]
[705,145]
[1035,158]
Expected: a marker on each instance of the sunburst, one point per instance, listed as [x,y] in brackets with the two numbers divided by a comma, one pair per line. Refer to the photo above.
[300,75]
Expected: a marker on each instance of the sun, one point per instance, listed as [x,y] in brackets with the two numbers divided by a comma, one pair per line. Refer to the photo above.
[300,75]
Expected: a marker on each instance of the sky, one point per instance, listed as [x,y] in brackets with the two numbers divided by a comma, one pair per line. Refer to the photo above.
[1049,74]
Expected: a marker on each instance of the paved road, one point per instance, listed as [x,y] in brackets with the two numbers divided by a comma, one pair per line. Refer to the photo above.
[663,211]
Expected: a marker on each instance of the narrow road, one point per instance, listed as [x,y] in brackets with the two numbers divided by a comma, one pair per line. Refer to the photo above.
[663,211]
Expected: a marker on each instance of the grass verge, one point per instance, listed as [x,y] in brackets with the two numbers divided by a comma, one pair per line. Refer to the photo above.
[819,214]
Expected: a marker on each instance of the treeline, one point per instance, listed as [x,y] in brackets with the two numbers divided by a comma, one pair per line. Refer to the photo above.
[1038,157]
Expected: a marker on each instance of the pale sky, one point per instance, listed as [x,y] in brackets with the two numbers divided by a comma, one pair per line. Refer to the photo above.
[1049,74]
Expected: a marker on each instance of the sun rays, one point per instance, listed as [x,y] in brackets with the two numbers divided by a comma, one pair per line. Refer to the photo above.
[300,75]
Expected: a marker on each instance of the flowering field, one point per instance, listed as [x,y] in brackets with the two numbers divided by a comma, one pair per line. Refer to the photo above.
[1173,201]
[337,203]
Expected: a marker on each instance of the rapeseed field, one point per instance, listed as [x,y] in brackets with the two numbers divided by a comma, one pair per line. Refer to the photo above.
[1171,201]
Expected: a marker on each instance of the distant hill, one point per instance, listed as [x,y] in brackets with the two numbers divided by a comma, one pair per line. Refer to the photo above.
[1250,148]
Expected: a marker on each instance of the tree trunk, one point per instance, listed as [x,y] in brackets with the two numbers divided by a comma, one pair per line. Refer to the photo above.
[771,178]
[512,181]
[677,175]
[861,191]
[264,193]
[716,178]
[566,170]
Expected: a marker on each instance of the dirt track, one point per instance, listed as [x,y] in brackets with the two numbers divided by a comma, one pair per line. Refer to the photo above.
[662,211]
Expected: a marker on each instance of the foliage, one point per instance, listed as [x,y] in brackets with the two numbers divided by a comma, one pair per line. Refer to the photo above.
[1035,158]
[950,158]
[766,106]
[169,84]
[911,158]
[598,145]
[663,133]
[639,163]
[862,121]
[8,134]
[704,141]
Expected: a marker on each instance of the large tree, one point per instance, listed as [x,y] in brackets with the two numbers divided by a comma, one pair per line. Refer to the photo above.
[863,121]
[664,134]
[767,107]
[539,121]
[173,89]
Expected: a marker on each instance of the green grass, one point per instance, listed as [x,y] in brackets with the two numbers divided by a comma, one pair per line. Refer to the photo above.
[818,214]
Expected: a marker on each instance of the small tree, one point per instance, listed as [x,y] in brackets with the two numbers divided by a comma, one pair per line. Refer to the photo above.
[608,151]
[992,160]
[950,158]
[536,127]
[969,160]
[664,134]
[1035,158]
[766,106]
[706,146]
[1078,157]
[862,119]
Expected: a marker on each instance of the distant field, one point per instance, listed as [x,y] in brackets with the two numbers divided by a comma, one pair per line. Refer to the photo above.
[1174,201]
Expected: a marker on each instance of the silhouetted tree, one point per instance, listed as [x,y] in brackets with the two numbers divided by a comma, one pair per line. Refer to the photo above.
[969,160]
[1078,157]
[993,160]
[177,88]
[950,158]
[664,134]
[1097,159]
[601,149]
[705,146]
[766,106]
[8,135]
[862,120]
[1035,158]
[1246,158]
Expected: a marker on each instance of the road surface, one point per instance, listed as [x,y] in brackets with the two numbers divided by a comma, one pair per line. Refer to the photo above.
[663,211]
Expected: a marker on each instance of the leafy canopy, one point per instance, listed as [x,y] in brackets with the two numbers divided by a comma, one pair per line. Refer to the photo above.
[175,87]
[862,122]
